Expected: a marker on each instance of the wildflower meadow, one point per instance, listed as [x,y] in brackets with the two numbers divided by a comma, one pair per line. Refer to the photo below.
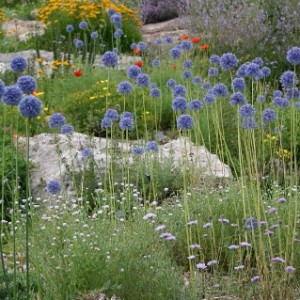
[140,226]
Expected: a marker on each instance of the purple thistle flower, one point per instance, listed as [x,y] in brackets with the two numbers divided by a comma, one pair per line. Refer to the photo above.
[133,71]
[272,210]
[125,88]
[151,146]
[245,245]
[192,222]
[228,61]
[237,98]
[207,225]
[268,232]
[109,59]
[149,216]
[293,56]
[281,200]
[179,104]
[160,227]
[195,104]
[223,220]
[167,236]
[220,90]
[12,95]
[53,187]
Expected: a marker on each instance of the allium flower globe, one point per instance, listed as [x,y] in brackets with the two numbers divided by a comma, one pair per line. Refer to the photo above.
[69,28]
[175,53]
[27,84]
[116,19]
[30,107]
[143,80]
[213,72]
[238,84]
[118,33]
[186,45]
[53,187]
[197,80]
[293,93]
[248,123]
[268,115]
[12,95]
[228,61]
[185,122]
[94,35]
[109,59]
[106,123]
[18,64]
[195,104]
[126,123]
[259,61]
[138,151]
[169,40]
[253,71]
[209,98]
[155,63]
[220,90]
[151,146]
[142,46]
[125,88]
[247,110]
[214,59]
[155,93]
[187,64]
[87,153]
[79,44]
[237,98]
[83,25]
[111,114]
[110,12]
[288,79]
[293,56]
[186,74]
[179,90]
[171,83]
[179,104]
[265,72]
[280,102]
[67,129]
[56,120]
[133,71]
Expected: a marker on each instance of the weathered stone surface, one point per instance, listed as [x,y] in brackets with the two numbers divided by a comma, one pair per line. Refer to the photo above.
[56,155]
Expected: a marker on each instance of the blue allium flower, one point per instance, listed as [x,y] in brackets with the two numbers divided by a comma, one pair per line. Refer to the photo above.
[185,122]
[169,40]
[293,93]
[268,115]
[2,85]
[241,72]
[158,41]
[247,110]
[126,123]
[248,123]
[106,123]
[228,61]
[220,90]
[70,28]
[138,151]
[133,71]
[261,98]
[214,59]
[175,53]
[277,93]
[187,64]
[110,12]
[53,187]
[179,104]
[171,83]
[125,88]
[109,59]
[94,35]
[280,102]
[27,84]
[153,85]
[197,80]
[253,71]
[83,25]
[127,114]
[56,120]
[67,129]
[288,79]
[213,72]
[186,45]
[116,19]
[133,46]
[116,50]
[206,85]
[155,93]
[195,104]
[237,98]
[209,98]
[265,72]
[293,55]
[142,46]
[259,61]
[143,80]
[238,84]
[18,64]
[179,90]
[111,114]
[186,74]
[151,146]
[30,107]
[251,223]
[74,41]
[79,44]
[155,62]
[118,33]
[87,153]
[12,95]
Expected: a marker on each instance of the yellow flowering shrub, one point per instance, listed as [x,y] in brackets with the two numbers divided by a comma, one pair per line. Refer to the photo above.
[2,17]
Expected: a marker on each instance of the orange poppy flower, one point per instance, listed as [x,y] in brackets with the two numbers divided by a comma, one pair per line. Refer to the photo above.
[139,64]
[77,73]
[204,47]
[136,51]
[195,40]
[173,67]
[185,37]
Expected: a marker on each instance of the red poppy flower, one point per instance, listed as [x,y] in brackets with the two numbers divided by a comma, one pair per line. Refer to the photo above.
[173,67]
[77,73]
[204,47]
[139,64]
[35,92]
[185,37]
[136,51]
[195,40]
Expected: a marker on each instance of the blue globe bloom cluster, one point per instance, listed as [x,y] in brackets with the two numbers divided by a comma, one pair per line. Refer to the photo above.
[2,86]
[197,80]
[185,122]
[237,98]
[27,84]
[155,63]
[288,79]
[83,25]
[195,104]
[142,46]
[56,120]
[213,72]
[171,83]
[69,28]
[268,115]
[179,104]
[186,45]
[133,71]
[209,98]
[175,53]
[142,80]
[94,35]
[293,56]
[125,88]
[87,153]
[53,187]
[118,33]
[138,151]
[18,64]
[214,59]
[12,95]
[155,93]
[67,129]
[126,121]
[187,74]
[228,61]
[109,59]
[30,107]
[238,84]
[151,146]
[220,90]
[116,20]
[280,102]
[187,64]
[179,90]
